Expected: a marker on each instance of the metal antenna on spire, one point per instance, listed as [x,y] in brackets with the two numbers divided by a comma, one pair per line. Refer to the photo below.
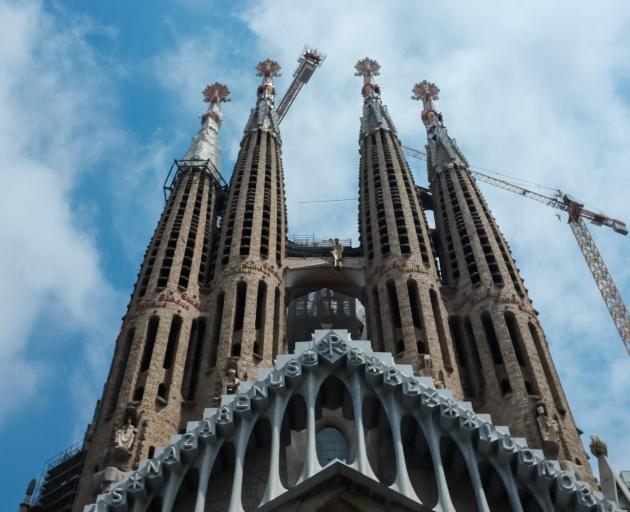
[368,69]
[428,92]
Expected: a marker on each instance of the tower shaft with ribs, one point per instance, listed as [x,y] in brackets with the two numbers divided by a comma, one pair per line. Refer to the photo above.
[247,301]
[406,313]
[505,364]
[153,374]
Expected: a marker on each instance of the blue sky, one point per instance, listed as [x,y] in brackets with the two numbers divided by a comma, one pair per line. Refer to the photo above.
[98,98]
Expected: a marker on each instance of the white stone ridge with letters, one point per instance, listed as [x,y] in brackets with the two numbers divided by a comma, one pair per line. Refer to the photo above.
[524,473]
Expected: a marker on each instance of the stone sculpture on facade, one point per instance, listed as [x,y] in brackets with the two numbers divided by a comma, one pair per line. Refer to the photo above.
[337,254]
[548,428]
[231,382]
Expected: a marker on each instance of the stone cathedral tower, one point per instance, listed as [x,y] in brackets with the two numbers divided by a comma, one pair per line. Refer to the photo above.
[505,365]
[209,407]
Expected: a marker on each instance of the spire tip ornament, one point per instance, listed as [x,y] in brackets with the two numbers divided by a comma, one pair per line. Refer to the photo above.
[368,69]
[216,93]
[267,69]
[428,92]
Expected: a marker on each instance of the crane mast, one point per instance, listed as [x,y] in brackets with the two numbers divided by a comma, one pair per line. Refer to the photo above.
[577,214]
[308,62]
[612,298]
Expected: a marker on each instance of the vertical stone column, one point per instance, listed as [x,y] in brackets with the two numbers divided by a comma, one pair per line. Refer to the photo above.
[500,345]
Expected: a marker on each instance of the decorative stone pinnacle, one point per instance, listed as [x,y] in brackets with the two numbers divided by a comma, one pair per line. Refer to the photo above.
[428,92]
[267,69]
[216,93]
[425,91]
[368,69]
[598,447]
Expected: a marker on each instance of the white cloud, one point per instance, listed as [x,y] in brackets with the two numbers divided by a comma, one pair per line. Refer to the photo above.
[53,127]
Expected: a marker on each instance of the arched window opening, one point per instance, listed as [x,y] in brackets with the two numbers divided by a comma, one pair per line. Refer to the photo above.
[151,452]
[491,338]
[439,324]
[520,352]
[171,345]
[495,352]
[457,333]
[222,474]
[276,323]
[261,306]
[119,369]
[549,373]
[236,350]
[162,391]
[414,303]
[256,463]
[187,493]
[378,440]
[393,304]
[216,335]
[293,441]
[193,358]
[457,477]
[155,505]
[528,501]
[138,394]
[494,489]
[331,445]
[152,329]
[379,342]
[239,313]
[400,347]
[418,461]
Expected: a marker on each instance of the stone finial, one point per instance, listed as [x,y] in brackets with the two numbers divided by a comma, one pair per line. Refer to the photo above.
[267,69]
[428,92]
[425,91]
[598,447]
[368,69]
[216,93]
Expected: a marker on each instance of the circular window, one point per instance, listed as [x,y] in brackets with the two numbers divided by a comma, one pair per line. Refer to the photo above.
[331,445]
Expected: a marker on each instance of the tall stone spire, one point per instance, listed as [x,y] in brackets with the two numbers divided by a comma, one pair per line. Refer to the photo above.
[502,353]
[205,145]
[405,309]
[156,364]
[247,302]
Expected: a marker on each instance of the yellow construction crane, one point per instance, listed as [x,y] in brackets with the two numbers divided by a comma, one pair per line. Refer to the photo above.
[578,214]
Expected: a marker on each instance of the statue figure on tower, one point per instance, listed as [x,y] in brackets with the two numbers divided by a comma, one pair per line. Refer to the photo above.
[337,254]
